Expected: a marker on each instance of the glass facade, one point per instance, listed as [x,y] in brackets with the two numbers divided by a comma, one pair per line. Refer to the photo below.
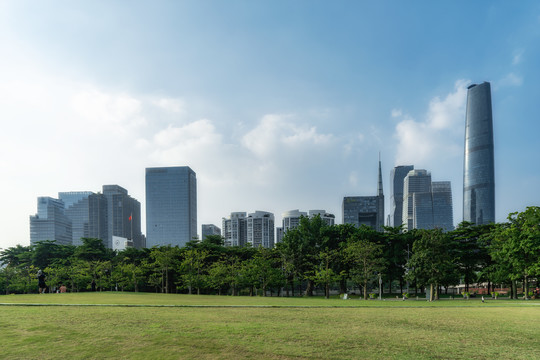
[417,203]
[365,210]
[171,206]
[479,168]
[124,216]
[50,222]
[397,176]
[209,229]
[443,211]
[77,209]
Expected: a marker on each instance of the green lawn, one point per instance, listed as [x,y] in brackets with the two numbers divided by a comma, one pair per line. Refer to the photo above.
[235,328]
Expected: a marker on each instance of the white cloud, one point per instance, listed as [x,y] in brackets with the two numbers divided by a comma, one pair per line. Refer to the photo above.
[511,79]
[439,135]
[276,132]
[518,57]
[397,112]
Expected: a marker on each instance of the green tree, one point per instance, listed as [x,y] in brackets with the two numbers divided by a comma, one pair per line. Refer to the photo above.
[192,269]
[365,258]
[433,261]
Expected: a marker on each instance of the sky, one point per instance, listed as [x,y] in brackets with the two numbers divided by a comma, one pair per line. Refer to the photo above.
[276,105]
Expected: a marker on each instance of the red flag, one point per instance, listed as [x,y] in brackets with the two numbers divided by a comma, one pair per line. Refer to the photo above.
[129,217]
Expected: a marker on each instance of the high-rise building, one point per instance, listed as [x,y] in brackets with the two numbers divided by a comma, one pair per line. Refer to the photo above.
[171,206]
[397,176]
[235,229]
[443,217]
[329,219]
[209,229]
[365,210]
[426,204]
[291,219]
[417,201]
[124,216]
[88,214]
[260,229]
[50,222]
[479,164]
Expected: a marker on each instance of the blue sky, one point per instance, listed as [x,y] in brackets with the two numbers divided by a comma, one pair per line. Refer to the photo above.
[276,105]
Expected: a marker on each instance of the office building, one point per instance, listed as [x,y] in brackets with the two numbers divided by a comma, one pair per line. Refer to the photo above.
[88,214]
[209,229]
[260,229]
[365,210]
[235,229]
[171,206]
[327,218]
[397,176]
[123,216]
[479,163]
[417,202]
[50,222]
[426,204]
[443,217]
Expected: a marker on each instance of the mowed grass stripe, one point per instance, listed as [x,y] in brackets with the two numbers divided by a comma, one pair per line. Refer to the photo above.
[103,332]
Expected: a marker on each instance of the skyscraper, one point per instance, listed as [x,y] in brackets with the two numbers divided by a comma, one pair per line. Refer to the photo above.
[171,206]
[260,229]
[124,215]
[426,204]
[50,222]
[365,210]
[235,229]
[88,214]
[396,193]
[478,165]
[417,201]
[443,217]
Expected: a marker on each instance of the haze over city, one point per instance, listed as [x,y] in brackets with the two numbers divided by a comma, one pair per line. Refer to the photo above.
[275,105]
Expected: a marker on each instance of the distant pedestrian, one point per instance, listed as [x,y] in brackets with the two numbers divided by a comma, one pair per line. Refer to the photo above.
[41,282]
[482,298]
[63,289]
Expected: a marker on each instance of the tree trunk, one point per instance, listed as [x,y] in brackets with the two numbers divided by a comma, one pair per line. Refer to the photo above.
[309,288]
[343,286]
[430,292]
[327,291]
[365,290]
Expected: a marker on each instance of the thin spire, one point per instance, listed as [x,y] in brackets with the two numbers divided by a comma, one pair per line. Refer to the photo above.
[379,186]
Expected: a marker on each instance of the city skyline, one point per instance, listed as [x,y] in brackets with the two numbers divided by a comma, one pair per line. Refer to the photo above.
[275,105]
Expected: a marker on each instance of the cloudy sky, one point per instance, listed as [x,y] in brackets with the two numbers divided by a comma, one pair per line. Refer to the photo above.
[276,105]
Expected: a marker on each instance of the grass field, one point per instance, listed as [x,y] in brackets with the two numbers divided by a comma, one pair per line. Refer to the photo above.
[210,327]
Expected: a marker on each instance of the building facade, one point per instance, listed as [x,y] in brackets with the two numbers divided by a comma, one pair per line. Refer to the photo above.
[260,229]
[365,210]
[235,229]
[124,216]
[50,222]
[479,162]
[443,210]
[417,202]
[171,206]
[209,229]
[397,176]
[88,214]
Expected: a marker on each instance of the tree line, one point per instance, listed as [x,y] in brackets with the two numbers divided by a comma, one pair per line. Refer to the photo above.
[311,256]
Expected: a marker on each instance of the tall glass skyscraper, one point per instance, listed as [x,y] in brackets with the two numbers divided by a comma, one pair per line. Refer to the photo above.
[171,206]
[479,168]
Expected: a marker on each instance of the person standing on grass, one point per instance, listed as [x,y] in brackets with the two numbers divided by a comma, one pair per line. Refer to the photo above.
[63,289]
[41,282]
